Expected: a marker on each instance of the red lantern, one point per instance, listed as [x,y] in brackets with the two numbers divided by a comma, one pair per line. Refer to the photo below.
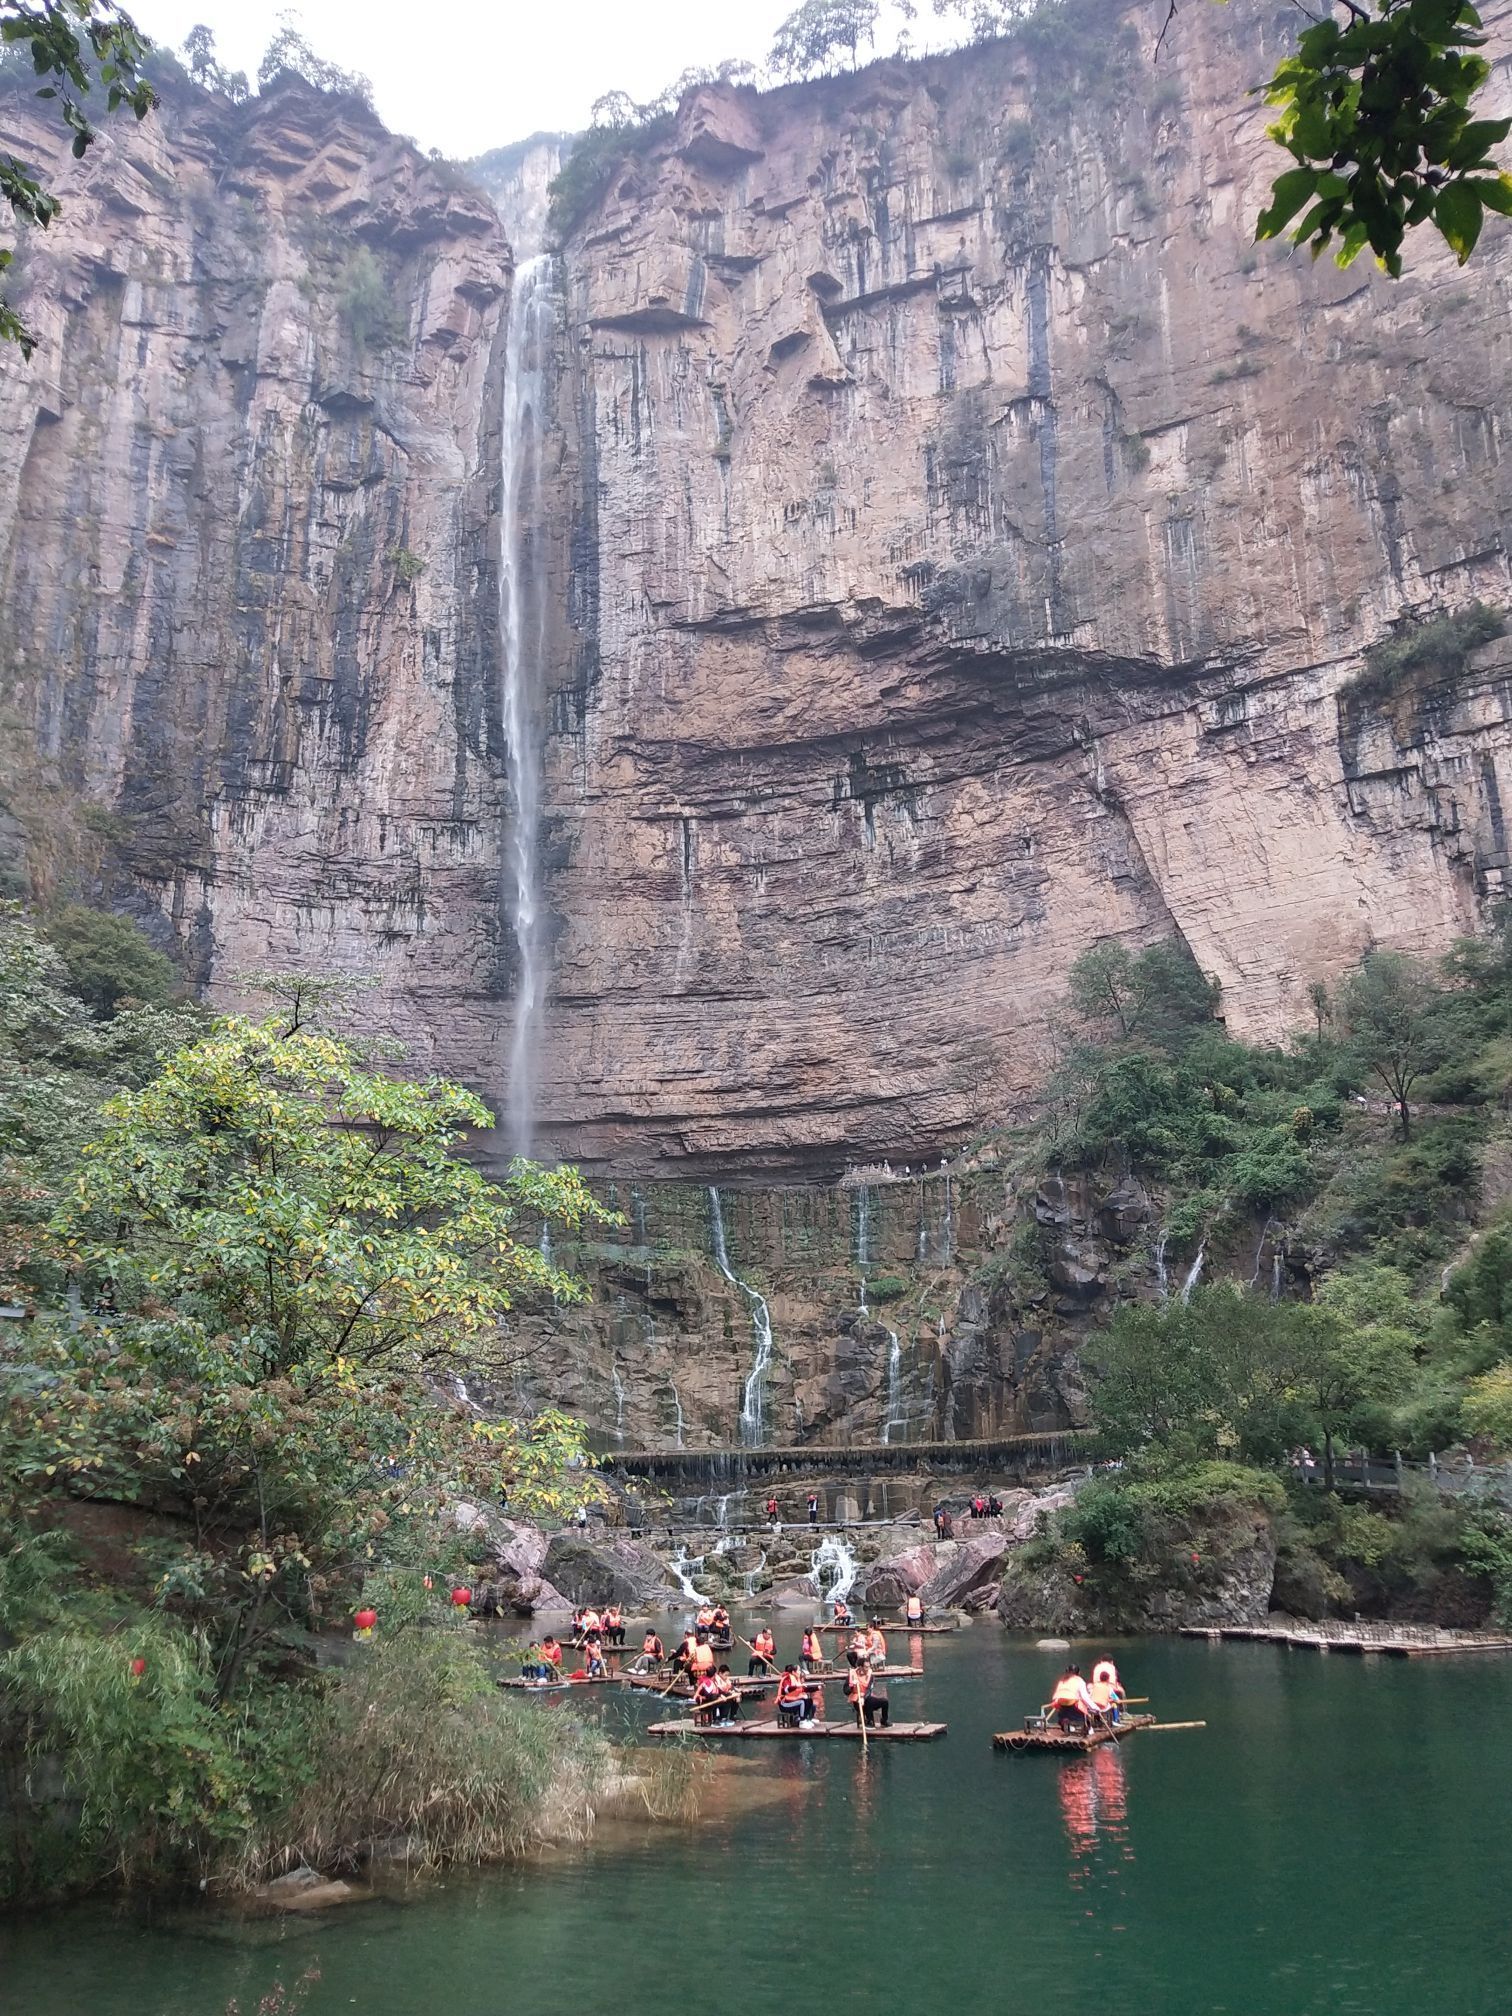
[138,1667]
[1078,1580]
[1196,1558]
[365,1619]
[461,1597]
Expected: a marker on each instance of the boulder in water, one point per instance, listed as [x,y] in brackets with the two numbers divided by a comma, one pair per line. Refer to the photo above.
[609,1571]
[1052,1644]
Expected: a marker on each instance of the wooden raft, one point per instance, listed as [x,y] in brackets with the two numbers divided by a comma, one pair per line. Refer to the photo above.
[895,1732]
[901,1630]
[681,1690]
[1068,1745]
[561,1686]
[832,1672]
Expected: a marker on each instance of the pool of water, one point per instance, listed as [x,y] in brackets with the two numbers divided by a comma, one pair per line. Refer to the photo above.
[1335,1841]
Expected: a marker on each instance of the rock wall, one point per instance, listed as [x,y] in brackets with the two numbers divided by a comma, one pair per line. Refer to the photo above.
[961,540]
[247,676]
[973,533]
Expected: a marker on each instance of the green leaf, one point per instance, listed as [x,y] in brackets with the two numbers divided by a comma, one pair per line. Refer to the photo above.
[1495,192]
[1288,193]
[1458,215]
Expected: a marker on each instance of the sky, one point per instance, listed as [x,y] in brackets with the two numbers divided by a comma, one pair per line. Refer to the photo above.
[494,71]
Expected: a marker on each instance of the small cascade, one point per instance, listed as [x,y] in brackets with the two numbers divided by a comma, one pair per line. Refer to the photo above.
[921,1249]
[1193,1273]
[545,1241]
[677,1406]
[863,1240]
[461,1387]
[638,1216]
[620,1397]
[683,1566]
[752,1576]
[833,1568]
[1162,1275]
[753,1395]
[1276,1273]
[1260,1253]
[947,1224]
[895,1417]
[522,638]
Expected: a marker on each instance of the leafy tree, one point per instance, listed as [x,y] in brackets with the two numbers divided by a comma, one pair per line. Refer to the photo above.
[1355,1350]
[108,958]
[1159,993]
[815,36]
[77,48]
[1394,1015]
[205,68]
[290,51]
[1488,1405]
[1377,111]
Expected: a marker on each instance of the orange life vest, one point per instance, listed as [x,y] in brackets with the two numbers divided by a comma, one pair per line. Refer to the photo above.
[790,1688]
[703,1659]
[1102,1692]
[1068,1693]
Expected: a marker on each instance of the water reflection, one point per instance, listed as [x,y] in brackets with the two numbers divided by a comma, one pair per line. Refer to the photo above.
[1094,1803]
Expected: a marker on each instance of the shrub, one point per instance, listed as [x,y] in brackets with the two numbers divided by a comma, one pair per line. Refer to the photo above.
[1424,653]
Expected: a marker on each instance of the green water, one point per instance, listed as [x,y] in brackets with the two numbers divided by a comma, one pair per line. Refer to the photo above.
[1335,1841]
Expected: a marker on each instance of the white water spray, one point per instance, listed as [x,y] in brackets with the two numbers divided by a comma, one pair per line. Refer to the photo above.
[753,1395]
[677,1404]
[619,1402]
[832,1569]
[1162,1277]
[682,1566]
[522,635]
[895,1415]
[1193,1273]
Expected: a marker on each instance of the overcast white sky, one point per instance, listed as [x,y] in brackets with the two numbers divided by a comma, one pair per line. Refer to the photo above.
[466,78]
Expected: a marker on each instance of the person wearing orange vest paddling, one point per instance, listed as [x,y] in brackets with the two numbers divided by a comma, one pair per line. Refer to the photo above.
[702,1663]
[551,1652]
[706,1698]
[866,1697]
[652,1648]
[1073,1705]
[763,1652]
[793,1701]
[729,1696]
[682,1658]
[811,1652]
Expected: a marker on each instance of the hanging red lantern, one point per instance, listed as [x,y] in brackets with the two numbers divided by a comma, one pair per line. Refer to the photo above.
[461,1596]
[1078,1580]
[138,1667]
[365,1619]
[1196,1559]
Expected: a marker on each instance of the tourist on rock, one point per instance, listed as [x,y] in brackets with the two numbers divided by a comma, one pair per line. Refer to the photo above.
[813,1508]
[771,1511]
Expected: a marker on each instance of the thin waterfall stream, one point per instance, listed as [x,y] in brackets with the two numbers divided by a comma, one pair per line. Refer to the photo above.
[522,642]
[753,1393]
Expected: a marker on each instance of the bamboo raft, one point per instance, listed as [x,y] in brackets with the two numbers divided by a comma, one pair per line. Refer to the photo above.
[561,1686]
[1049,1738]
[753,1689]
[902,1630]
[1398,1642]
[803,1732]
[821,1673]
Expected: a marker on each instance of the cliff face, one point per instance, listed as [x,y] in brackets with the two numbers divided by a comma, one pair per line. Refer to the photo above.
[971,534]
[958,539]
[243,550]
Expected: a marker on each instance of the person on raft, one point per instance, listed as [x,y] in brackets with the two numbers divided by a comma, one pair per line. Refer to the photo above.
[913,1610]
[1107,1692]
[721,1622]
[811,1652]
[551,1652]
[876,1644]
[794,1702]
[701,1661]
[763,1652]
[843,1616]
[652,1649]
[1072,1703]
[535,1666]
[614,1626]
[865,1695]
[729,1695]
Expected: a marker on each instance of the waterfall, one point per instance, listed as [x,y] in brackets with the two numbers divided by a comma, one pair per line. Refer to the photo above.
[921,1250]
[1260,1252]
[752,1394]
[1162,1278]
[1275,1293]
[462,1393]
[677,1403]
[619,1401]
[682,1565]
[834,1559]
[522,638]
[947,1227]
[863,1239]
[895,1416]
[1194,1273]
